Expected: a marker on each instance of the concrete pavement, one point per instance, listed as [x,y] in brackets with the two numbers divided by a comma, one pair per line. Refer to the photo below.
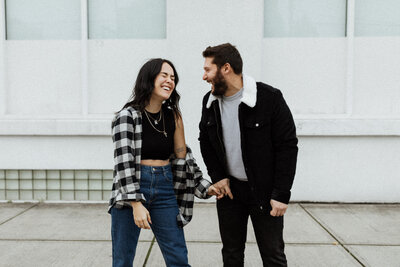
[44,234]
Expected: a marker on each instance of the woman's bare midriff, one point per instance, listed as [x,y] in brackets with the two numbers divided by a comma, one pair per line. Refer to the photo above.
[154,162]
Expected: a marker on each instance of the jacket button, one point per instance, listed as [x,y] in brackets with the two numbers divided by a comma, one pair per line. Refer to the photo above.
[257,124]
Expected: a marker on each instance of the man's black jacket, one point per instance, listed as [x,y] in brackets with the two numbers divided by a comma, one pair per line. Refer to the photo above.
[268,141]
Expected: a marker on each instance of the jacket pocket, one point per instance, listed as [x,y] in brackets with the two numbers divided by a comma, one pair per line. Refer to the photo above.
[257,132]
[256,124]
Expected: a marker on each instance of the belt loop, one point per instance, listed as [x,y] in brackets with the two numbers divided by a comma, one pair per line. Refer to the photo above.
[165,170]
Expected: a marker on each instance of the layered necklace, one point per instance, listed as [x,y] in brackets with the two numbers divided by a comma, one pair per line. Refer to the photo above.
[156,121]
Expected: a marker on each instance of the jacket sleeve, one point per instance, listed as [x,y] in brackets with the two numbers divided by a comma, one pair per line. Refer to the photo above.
[214,168]
[285,146]
[201,184]
[125,164]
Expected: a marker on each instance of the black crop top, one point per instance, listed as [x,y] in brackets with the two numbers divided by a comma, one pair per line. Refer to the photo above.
[154,144]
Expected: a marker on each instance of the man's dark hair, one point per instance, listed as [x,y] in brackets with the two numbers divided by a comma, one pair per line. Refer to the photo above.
[225,53]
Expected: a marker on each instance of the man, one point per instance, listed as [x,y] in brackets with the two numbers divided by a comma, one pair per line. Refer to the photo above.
[249,145]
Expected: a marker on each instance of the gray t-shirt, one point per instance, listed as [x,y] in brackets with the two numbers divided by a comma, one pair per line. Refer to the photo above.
[231,133]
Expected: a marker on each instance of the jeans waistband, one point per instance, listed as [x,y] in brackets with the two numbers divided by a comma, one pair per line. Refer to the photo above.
[155,169]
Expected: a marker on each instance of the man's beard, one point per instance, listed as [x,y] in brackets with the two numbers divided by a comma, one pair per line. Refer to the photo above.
[220,85]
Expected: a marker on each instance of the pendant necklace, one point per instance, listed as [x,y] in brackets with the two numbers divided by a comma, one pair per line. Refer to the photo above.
[156,122]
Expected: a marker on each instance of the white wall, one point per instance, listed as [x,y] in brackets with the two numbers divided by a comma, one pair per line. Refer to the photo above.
[344,93]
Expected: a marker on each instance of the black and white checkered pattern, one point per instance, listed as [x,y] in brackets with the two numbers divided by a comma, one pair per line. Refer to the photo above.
[188,179]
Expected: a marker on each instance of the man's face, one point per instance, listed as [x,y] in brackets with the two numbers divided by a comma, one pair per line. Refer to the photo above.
[213,75]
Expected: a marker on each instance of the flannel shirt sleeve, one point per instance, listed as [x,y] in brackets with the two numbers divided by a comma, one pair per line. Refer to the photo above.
[126,181]
[201,185]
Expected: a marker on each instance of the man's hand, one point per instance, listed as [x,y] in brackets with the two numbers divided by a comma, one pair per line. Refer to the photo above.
[224,188]
[213,191]
[278,208]
[141,215]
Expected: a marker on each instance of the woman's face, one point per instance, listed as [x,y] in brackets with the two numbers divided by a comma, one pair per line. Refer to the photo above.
[164,84]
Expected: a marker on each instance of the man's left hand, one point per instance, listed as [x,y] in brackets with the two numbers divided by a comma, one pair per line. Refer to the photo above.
[278,208]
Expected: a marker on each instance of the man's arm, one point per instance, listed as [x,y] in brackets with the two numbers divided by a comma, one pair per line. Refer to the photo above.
[215,168]
[285,145]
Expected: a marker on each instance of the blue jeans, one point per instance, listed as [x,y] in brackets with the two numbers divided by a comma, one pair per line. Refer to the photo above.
[157,186]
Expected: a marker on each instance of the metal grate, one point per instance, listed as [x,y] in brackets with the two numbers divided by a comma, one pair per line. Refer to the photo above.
[92,185]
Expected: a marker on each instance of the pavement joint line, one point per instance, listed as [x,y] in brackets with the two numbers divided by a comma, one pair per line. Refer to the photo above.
[64,240]
[255,243]
[25,210]
[190,242]
[372,245]
[149,251]
[331,234]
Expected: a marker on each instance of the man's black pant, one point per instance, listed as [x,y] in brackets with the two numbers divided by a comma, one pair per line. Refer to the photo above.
[233,217]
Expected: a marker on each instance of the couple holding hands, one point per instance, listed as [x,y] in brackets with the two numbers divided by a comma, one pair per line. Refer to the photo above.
[248,143]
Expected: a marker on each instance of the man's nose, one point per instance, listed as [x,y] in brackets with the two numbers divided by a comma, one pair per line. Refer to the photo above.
[204,77]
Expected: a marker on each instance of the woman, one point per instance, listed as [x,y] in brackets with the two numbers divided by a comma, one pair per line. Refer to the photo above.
[145,193]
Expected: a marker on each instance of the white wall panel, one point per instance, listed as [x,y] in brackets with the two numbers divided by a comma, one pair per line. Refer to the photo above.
[310,72]
[377,77]
[56,152]
[43,77]
[113,67]
[348,169]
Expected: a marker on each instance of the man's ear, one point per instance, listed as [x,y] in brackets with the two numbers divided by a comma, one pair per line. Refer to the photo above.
[226,68]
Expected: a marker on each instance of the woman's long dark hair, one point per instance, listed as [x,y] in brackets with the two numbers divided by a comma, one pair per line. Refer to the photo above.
[144,86]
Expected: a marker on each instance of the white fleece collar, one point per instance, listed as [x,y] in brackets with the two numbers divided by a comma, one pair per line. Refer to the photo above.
[249,96]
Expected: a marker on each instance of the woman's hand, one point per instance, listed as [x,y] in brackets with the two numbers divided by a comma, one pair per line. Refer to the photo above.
[141,215]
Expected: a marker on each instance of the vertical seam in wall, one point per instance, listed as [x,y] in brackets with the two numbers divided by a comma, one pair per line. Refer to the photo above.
[32,183]
[59,185]
[262,40]
[84,58]
[47,184]
[350,20]
[102,184]
[5,184]
[19,184]
[3,37]
[74,183]
[87,186]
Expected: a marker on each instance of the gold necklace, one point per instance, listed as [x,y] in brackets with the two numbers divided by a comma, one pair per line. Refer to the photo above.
[161,118]
[155,120]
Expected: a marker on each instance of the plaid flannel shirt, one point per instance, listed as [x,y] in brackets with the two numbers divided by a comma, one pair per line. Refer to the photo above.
[127,139]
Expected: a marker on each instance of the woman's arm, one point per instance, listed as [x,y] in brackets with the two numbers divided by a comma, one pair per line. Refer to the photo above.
[125,164]
[179,138]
